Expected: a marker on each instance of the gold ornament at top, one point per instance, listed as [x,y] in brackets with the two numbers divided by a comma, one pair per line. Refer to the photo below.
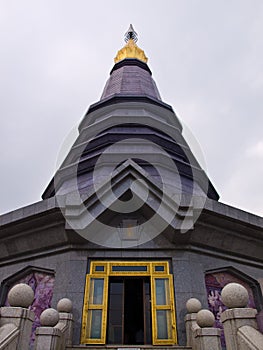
[131,50]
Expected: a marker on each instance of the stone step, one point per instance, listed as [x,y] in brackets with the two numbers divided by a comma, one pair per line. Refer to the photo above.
[127,347]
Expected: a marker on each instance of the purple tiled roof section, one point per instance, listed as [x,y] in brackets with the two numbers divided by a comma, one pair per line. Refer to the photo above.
[131,80]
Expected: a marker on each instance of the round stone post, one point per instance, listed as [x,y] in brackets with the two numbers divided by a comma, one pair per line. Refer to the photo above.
[20,297]
[235,297]
[193,305]
[48,336]
[207,337]
[65,324]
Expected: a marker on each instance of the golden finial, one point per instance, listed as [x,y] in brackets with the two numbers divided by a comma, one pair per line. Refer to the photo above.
[131,50]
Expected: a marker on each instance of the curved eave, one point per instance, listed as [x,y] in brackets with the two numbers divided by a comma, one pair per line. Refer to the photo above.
[121,98]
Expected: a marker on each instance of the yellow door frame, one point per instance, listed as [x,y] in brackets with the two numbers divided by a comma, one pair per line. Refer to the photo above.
[96,299]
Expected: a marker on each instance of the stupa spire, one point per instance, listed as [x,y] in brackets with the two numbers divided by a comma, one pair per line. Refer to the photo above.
[131,50]
[131,34]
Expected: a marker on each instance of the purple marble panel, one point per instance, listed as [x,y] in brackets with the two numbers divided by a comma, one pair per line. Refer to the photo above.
[215,282]
[42,285]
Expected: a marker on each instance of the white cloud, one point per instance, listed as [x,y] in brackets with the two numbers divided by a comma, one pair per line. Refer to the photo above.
[256,150]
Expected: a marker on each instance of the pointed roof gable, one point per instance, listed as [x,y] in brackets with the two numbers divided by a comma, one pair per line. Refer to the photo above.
[164,210]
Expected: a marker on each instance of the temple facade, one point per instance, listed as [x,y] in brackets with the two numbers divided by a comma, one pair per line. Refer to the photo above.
[130,227]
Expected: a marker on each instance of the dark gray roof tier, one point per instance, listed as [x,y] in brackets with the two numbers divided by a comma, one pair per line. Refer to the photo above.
[84,168]
[131,77]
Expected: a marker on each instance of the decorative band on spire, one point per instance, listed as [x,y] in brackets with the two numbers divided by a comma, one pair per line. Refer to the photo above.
[131,50]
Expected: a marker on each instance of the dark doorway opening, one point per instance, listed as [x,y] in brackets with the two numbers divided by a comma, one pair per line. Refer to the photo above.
[129,311]
[133,312]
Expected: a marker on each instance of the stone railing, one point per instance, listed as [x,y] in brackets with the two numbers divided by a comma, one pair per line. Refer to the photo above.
[56,328]
[201,335]
[16,322]
[239,323]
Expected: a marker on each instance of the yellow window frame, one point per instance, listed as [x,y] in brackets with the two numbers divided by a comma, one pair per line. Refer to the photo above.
[89,306]
[168,307]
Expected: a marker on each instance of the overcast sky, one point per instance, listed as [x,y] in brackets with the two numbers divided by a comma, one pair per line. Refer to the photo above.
[206,57]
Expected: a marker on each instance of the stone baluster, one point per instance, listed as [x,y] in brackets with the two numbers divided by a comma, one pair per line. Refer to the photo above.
[48,336]
[65,324]
[206,336]
[235,297]
[193,305]
[20,297]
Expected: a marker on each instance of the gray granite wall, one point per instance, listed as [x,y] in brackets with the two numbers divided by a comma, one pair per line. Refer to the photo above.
[188,268]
